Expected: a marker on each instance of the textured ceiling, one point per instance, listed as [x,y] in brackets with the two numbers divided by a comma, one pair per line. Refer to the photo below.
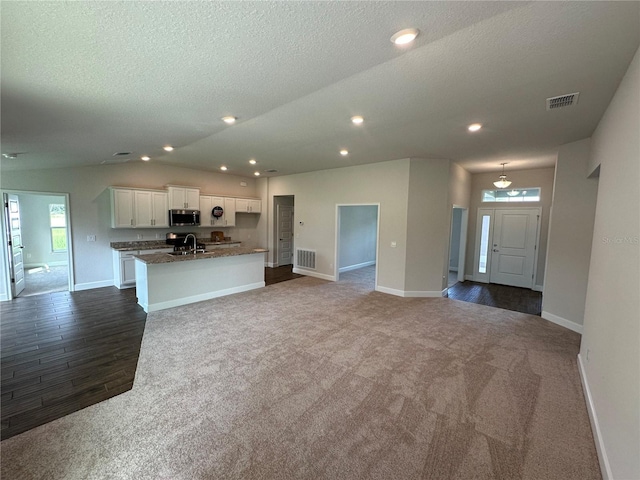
[83,80]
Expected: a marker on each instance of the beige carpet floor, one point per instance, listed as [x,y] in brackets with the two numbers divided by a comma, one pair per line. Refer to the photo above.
[310,379]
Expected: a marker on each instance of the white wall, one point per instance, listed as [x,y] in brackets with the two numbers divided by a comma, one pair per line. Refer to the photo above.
[358,231]
[610,349]
[428,227]
[459,186]
[454,249]
[90,207]
[318,193]
[570,236]
[541,177]
[36,232]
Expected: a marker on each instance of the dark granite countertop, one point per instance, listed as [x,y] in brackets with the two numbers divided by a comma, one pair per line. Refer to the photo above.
[156,244]
[156,258]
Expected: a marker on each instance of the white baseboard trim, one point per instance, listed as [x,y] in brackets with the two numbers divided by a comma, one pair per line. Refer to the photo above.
[356,266]
[411,294]
[91,285]
[154,307]
[537,288]
[4,297]
[469,277]
[50,264]
[605,468]
[309,273]
[390,291]
[271,264]
[563,322]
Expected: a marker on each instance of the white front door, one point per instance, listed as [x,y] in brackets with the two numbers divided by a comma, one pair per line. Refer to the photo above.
[14,238]
[506,246]
[285,234]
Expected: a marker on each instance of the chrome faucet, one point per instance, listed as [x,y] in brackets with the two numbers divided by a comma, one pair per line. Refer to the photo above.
[195,244]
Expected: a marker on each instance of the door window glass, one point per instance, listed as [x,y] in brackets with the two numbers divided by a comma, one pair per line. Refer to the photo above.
[484,244]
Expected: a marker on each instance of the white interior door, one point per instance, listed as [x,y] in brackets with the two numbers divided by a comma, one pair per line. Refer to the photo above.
[513,251]
[14,238]
[285,234]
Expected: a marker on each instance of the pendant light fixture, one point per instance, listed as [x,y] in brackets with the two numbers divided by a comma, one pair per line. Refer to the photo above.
[503,182]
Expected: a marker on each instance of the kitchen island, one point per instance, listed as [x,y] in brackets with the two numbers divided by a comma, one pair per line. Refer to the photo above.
[164,280]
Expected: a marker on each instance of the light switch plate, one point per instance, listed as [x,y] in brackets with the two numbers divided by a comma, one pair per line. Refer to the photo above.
[91,238]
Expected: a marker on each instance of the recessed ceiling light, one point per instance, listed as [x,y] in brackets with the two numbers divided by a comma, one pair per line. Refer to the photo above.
[223,168]
[257,174]
[229,120]
[168,148]
[405,36]
[145,158]
[344,152]
[474,127]
[252,161]
[357,120]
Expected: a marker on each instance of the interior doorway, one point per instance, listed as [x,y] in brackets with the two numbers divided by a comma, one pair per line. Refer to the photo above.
[507,246]
[38,254]
[457,245]
[284,207]
[357,243]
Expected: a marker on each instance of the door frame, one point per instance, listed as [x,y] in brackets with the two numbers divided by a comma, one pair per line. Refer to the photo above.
[275,231]
[462,253]
[5,261]
[336,260]
[485,277]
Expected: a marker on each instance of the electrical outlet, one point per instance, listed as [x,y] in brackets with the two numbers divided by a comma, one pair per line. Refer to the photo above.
[139,236]
[91,238]
[394,244]
[157,236]
[28,255]
[588,352]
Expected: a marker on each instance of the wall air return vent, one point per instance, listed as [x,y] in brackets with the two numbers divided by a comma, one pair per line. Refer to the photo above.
[568,100]
[306,258]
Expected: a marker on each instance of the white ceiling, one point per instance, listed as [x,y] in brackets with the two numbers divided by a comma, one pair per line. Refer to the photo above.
[83,80]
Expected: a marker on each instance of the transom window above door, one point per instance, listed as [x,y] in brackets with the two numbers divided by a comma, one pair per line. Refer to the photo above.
[512,195]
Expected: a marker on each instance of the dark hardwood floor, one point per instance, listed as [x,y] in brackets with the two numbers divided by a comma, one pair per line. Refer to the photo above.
[61,352]
[279,274]
[509,298]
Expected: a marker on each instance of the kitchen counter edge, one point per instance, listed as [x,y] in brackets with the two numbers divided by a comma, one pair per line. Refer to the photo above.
[152,245]
[158,258]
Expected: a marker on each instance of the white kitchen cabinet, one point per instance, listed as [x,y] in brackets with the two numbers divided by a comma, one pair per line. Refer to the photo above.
[229,212]
[121,208]
[132,208]
[247,205]
[207,203]
[160,209]
[206,219]
[124,268]
[184,197]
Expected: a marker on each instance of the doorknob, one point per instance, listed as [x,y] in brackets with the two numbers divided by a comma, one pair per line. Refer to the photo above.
[496,250]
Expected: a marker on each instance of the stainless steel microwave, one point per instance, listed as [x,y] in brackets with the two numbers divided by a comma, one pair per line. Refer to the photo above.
[179,218]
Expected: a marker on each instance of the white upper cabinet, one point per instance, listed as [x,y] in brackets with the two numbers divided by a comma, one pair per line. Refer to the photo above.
[184,197]
[229,212]
[246,205]
[121,208]
[132,208]
[143,208]
[160,209]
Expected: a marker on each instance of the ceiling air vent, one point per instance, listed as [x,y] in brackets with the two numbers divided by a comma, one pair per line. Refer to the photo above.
[568,100]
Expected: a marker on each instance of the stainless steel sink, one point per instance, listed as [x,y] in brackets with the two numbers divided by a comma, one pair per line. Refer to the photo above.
[185,252]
